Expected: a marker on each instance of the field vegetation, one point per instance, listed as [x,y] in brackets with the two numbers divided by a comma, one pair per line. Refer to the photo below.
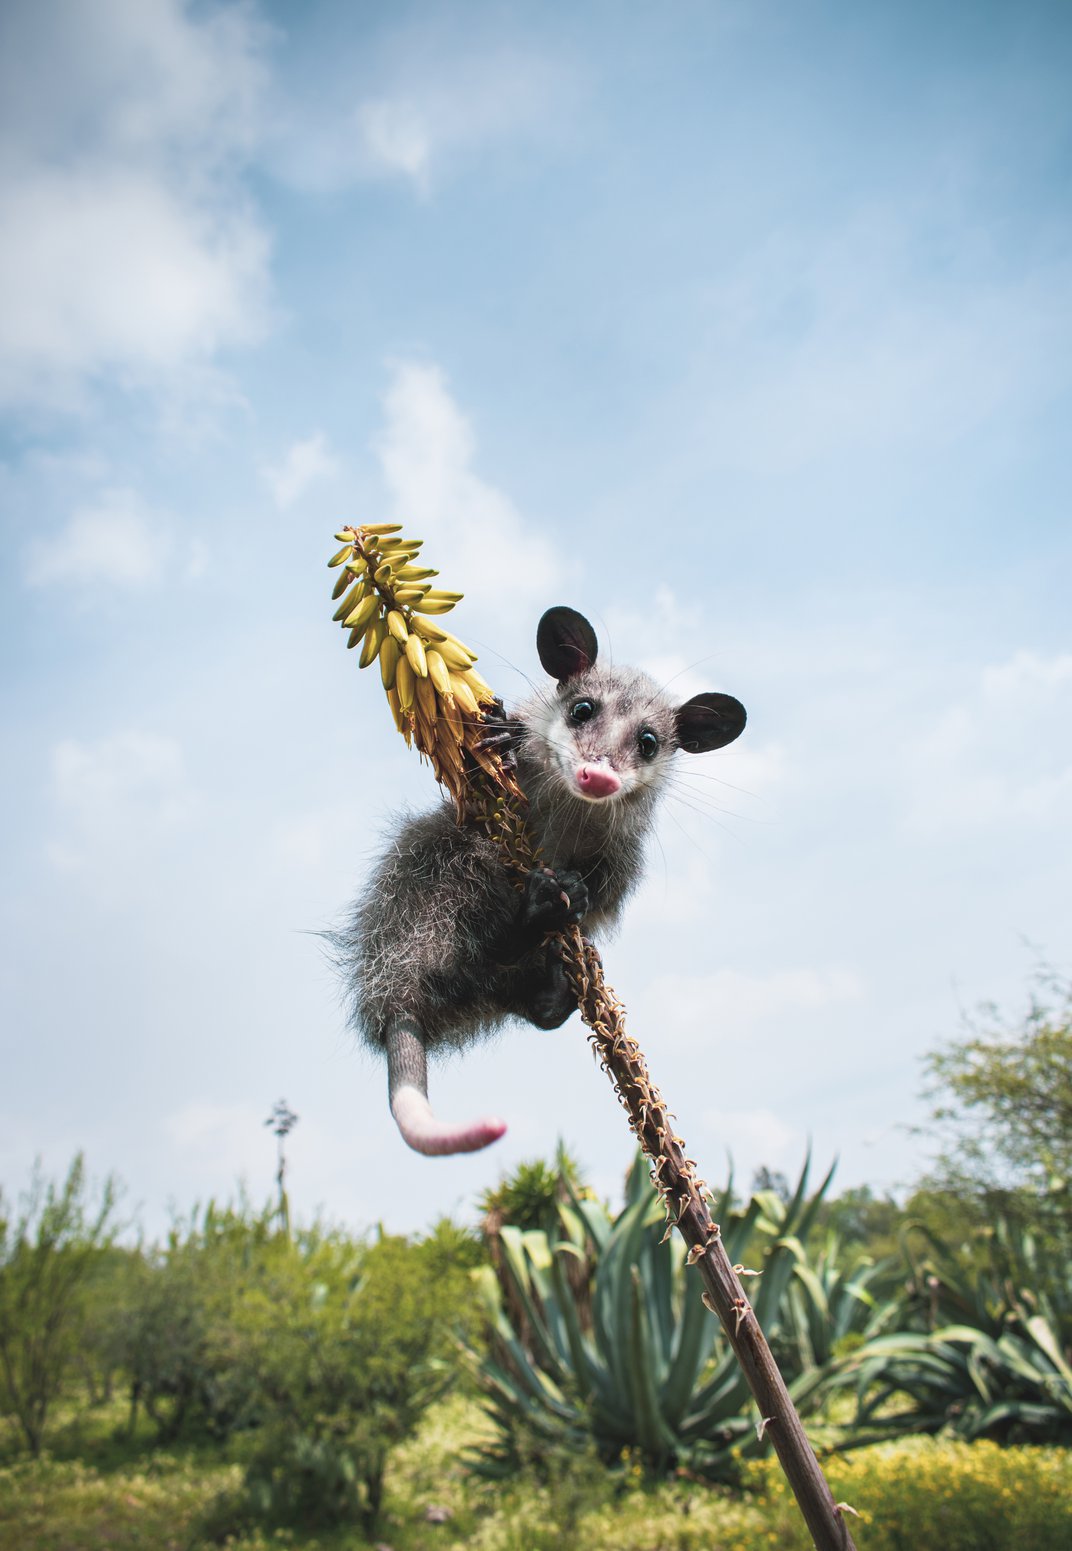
[553,1379]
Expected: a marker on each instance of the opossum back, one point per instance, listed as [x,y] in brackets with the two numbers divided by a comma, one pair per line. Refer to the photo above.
[417,938]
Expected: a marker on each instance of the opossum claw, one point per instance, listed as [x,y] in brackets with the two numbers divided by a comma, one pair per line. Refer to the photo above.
[555,900]
[503,735]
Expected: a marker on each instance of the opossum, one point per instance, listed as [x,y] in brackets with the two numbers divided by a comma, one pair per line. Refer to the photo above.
[442,947]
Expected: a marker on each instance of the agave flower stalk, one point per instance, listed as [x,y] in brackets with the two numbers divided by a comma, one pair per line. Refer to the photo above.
[439,703]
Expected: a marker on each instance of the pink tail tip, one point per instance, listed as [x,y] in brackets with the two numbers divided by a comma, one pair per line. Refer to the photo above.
[424,1133]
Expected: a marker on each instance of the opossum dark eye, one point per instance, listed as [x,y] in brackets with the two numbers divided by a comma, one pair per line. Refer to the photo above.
[648,744]
[582,711]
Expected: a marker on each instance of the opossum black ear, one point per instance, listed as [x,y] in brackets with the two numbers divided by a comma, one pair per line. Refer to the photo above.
[709,722]
[566,643]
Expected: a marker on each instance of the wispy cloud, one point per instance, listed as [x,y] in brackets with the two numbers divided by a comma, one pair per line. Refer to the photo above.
[426,453]
[755,1137]
[415,104]
[854,342]
[397,138]
[303,465]
[218,1142]
[1000,757]
[116,541]
[745,1002]
[112,797]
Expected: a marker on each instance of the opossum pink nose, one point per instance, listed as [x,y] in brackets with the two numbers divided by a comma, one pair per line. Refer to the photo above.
[597,781]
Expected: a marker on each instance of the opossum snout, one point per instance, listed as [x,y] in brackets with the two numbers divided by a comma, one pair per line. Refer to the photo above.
[597,780]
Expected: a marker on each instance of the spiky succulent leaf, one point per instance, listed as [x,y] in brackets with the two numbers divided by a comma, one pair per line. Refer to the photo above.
[648,1371]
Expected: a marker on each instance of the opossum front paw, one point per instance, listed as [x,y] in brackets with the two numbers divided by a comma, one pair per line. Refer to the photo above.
[554,900]
[551,902]
[502,736]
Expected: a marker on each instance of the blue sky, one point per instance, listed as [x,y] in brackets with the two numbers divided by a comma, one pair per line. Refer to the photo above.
[745,328]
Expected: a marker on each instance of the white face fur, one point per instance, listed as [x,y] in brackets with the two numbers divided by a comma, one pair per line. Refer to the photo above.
[608,734]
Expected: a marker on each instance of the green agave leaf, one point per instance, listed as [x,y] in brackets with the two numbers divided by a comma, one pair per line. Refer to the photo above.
[639,1360]
[722,1397]
[697,1329]
[612,1297]
[518,1250]
[589,1372]
[592,1215]
[656,1438]
[1028,1415]
[1042,1333]
[528,1391]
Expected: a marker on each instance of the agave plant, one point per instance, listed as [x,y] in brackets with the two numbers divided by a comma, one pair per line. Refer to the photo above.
[639,1366]
[993,1358]
[831,1302]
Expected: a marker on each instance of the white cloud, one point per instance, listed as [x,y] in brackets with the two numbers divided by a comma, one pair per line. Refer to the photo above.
[744,1002]
[426,98]
[397,138]
[753,1137]
[132,78]
[1001,756]
[116,541]
[219,1142]
[1027,674]
[304,463]
[114,797]
[129,247]
[842,344]
[426,455]
[110,270]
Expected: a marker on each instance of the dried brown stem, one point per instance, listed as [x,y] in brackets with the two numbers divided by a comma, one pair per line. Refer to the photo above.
[674,1175]
[684,1194]
[485,791]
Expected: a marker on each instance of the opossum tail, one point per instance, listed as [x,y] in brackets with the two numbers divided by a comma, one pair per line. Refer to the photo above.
[407,1080]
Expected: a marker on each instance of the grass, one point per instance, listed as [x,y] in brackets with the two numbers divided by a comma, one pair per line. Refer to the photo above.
[64,1505]
[916,1495]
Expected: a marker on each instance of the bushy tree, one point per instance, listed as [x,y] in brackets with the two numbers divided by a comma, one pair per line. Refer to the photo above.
[1002,1111]
[865,1223]
[179,1336]
[530,1196]
[339,1348]
[113,1294]
[48,1252]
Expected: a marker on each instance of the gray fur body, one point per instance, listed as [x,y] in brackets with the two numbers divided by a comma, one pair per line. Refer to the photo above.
[421,941]
[442,947]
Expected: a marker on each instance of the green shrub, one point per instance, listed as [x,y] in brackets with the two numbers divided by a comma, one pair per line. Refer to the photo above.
[341,1356]
[913,1495]
[982,1342]
[916,1495]
[48,1254]
[921,1493]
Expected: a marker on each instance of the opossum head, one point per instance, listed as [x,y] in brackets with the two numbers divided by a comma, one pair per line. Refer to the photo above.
[607,735]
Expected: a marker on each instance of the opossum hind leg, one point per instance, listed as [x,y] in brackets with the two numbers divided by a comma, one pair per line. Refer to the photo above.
[407,1079]
[544,995]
